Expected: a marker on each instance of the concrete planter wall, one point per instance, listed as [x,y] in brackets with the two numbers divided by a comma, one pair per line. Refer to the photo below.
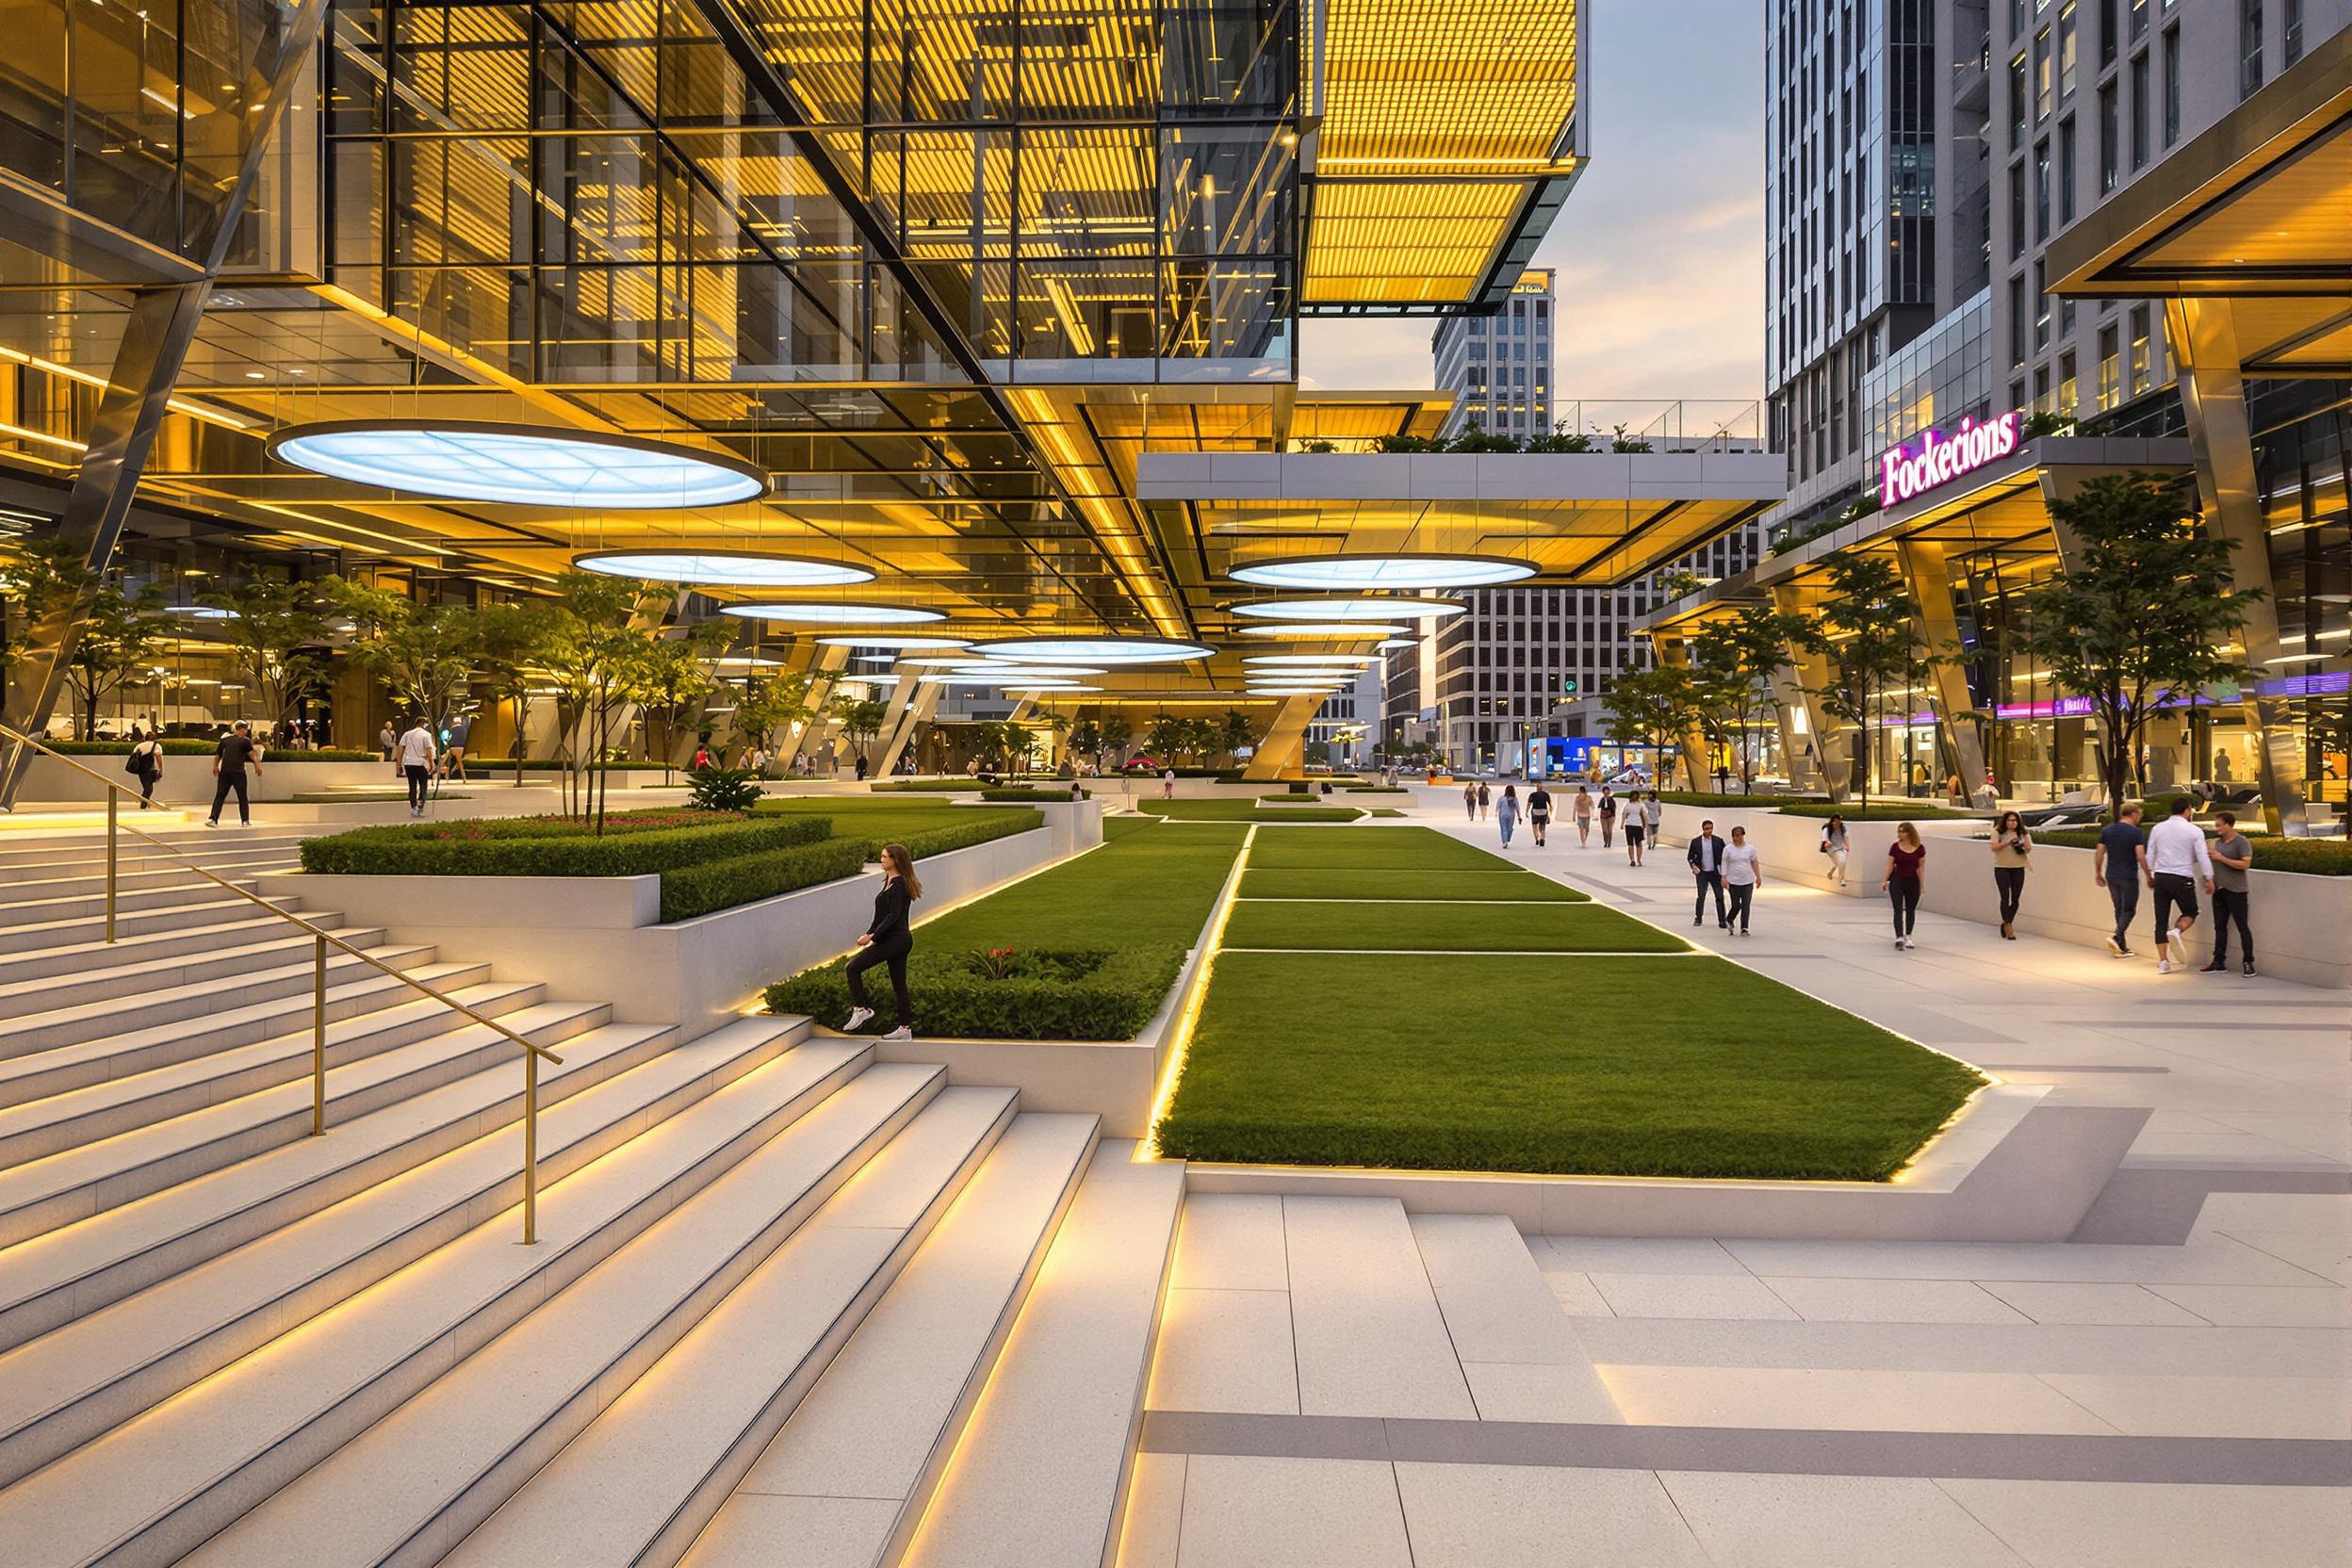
[187,780]
[2299,921]
[594,937]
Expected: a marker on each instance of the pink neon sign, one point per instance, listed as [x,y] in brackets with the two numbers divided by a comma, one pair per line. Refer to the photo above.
[1904,472]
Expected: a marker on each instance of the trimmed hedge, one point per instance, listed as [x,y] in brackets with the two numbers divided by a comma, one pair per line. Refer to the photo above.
[698,889]
[1065,994]
[1701,797]
[544,846]
[1295,797]
[1878,810]
[1010,795]
[2271,852]
[1374,790]
[925,786]
[984,827]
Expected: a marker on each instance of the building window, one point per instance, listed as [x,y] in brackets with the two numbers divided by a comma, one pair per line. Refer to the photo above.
[2291,45]
[2017,212]
[2249,47]
[2110,370]
[2139,19]
[2139,113]
[2108,42]
[2041,191]
[2016,101]
[2066,390]
[2041,389]
[2172,85]
[2110,134]
[2044,69]
[2142,371]
[2065,50]
[2041,306]
[2066,171]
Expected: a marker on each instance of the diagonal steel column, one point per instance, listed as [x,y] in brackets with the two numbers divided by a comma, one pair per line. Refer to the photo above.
[1829,748]
[155,340]
[2203,337]
[1928,575]
[1284,749]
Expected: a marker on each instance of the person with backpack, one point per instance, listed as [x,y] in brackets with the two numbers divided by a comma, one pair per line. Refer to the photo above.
[145,763]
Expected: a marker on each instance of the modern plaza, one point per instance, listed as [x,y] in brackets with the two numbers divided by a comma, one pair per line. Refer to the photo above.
[745,819]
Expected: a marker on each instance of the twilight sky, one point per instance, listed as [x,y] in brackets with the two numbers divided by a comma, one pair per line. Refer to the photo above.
[1660,247]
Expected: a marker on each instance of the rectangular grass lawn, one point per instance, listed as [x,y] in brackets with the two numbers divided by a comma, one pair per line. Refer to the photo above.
[1600,1065]
[1378,848]
[1243,810]
[1458,927]
[1155,883]
[1517,887]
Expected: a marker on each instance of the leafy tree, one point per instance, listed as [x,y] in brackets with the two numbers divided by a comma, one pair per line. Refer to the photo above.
[666,675]
[514,634]
[422,654]
[1652,707]
[277,633]
[40,580]
[1235,733]
[590,643]
[1086,741]
[1166,739]
[860,718]
[1117,735]
[2141,614]
[1867,627]
[120,639]
[772,705]
[1732,668]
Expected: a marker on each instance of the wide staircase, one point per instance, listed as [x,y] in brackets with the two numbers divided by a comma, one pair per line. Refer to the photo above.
[777,1284]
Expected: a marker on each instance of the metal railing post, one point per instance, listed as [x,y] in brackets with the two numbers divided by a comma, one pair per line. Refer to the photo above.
[531,1148]
[111,818]
[318,1036]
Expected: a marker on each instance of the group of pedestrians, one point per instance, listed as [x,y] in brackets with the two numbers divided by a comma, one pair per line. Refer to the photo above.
[1638,816]
[2173,861]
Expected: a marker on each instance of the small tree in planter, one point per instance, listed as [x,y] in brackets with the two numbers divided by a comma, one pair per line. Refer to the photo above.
[422,654]
[861,719]
[514,634]
[1733,665]
[2140,616]
[667,676]
[1235,734]
[1866,627]
[591,640]
[1652,707]
[120,638]
[278,636]
[1117,735]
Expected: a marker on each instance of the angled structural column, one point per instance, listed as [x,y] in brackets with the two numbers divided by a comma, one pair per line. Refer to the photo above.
[1826,747]
[1692,741]
[912,703]
[1283,748]
[1928,576]
[162,324]
[2203,339]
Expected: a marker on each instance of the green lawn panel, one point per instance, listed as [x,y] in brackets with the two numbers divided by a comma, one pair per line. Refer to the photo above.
[1566,928]
[1401,848]
[1387,886]
[1612,1066]
[1244,810]
[1156,886]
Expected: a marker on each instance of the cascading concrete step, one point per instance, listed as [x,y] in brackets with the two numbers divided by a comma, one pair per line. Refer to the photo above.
[159,871]
[164,894]
[151,1491]
[858,1460]
[351,993]
[193,998]
[1041,1473]
[1518,1350]
[36,866]
[78,1181]
[90,1375]
[136,976]
[778,1241]
[243,928]
[34,936]
[397,1183]
[38,1128]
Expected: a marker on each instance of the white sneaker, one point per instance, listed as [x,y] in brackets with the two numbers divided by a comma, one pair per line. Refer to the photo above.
[858,1017]
[903,1032]
[2164,965]
[1910,942]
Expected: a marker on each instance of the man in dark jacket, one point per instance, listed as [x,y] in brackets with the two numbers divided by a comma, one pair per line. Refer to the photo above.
[1706,860]
[230,760]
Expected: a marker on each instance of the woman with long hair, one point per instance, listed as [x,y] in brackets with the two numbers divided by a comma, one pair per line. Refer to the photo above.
[2013,850]
[888,941]
[1835,843]
[1906,863]
[1506,812]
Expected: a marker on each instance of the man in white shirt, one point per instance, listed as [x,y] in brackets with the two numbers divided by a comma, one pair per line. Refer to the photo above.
[2178,861]
[418,754]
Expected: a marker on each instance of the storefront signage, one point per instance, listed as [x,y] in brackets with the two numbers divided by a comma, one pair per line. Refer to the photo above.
[1904,472]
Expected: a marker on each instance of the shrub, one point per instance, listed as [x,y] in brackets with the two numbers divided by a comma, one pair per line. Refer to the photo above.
[1703,797]
[698,889]
[633,844]
[723,788]
[2272,851]
[1017,795]
[984,826]
[1878,810]
[927,786]
[1072,994]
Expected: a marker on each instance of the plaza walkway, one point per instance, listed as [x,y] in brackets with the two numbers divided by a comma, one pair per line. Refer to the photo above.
[1338,1383]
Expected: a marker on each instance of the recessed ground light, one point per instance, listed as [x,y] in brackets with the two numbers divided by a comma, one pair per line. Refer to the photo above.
[1341,608]
[836,615]
[736,568]
[1403,570]
[523,465]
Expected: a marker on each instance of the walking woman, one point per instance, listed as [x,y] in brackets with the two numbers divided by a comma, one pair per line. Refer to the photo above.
[1582,811]
[2012,849]
[1506,812]
[1744,872]
[1906,860]
[1609,817]
[1483,798]
[1836,844]
[1470,801]
[1637,827]
[887,942]
[146,765]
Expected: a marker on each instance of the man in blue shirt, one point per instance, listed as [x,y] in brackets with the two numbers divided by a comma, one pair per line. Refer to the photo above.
[2120,867]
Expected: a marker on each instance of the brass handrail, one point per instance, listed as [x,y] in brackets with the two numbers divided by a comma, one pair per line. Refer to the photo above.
[321,940]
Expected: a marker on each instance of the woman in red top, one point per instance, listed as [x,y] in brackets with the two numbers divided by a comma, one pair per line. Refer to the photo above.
[1906,857]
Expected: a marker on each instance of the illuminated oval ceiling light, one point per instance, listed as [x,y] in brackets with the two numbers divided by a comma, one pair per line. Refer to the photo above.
[521,465]
[836,615]
[735,568]
[1345,610]
[1096,650]
[203,612]
[1331,631]
[1399,643]
[1052,686]
[905,644]
[2300,659]
[1295,661]
[1404,570]
[958,678]
[876,659]
[1290,691]
[1017,671]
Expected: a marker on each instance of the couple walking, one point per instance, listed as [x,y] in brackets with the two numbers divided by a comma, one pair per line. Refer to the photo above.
[1539,811]
[1720,868]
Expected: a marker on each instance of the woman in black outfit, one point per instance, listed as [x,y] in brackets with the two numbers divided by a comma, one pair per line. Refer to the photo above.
[887,942]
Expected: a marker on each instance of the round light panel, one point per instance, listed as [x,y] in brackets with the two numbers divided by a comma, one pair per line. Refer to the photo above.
[836,615]
[1404,570]
[1096,650]
[1339,609]
[1323,631]
[520,464]
[735,568]
[902,643]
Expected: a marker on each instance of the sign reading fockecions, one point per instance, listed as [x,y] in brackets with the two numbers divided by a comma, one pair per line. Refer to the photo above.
[1904,472]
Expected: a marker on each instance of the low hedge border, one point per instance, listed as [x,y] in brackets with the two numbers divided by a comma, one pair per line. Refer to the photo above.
[545,847]
[2271,852]
[984,827]
[1375,790]
[715,885]
[1116,995]
[1702,797]
[925,786]
[1003,795]
[1877,810]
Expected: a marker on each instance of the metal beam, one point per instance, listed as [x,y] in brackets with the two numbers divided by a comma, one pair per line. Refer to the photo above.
[1284,749]
[1828,748]
[1928,575]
